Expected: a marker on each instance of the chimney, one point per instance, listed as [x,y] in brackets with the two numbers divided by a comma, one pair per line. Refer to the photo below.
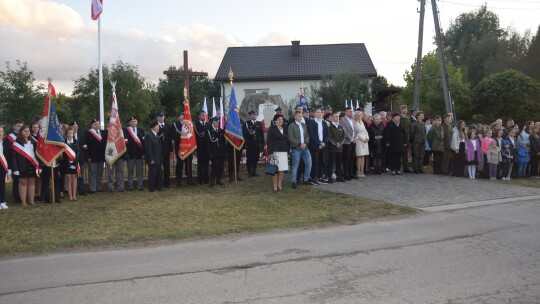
[295,47]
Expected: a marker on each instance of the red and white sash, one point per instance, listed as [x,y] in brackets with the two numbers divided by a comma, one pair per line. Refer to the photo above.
[12,137]
[22,151]
[3,161]
[135,137]
[93,132]
[70,153]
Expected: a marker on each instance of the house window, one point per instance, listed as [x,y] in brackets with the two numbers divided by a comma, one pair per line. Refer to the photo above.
[249,92]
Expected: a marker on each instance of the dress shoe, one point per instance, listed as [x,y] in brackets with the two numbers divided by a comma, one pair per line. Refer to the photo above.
[407,170]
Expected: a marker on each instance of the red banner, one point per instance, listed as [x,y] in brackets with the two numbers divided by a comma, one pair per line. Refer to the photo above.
[188,143]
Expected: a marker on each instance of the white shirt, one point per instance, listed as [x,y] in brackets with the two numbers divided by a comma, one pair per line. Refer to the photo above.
[29,148]
[301,131]
[319,128]
[1,147]
[474,144]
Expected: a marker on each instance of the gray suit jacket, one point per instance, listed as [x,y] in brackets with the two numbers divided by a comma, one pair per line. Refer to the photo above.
[294,135]
[344,122]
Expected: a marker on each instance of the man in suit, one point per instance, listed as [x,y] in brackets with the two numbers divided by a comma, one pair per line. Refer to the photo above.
[318,135]
[153,154]
[217,150]
[135,152]
[82,155]
[349,146]
[96,141]
[299,140]
[165,136]
[254,137]
[203,153]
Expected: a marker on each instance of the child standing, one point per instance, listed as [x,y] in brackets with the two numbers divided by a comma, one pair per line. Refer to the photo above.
[507,158]
[523,158]
[474,154]
[493,159]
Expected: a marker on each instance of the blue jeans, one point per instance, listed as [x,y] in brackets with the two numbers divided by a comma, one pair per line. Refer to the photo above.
[521,169]
[296,155]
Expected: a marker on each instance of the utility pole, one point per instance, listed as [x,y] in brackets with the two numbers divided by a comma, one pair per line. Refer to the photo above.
[416,101]
[449,103]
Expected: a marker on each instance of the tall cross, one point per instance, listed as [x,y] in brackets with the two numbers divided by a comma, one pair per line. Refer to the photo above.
[186,73]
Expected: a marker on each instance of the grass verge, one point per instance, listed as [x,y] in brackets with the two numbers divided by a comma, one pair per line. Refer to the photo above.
[137,217]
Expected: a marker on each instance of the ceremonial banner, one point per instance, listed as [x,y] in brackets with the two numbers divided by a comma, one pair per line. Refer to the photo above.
[221,114]
[303,101]
[50,142]
[97,9]
[188,142]
[233,127]
[214,112]
[205,109]
[116,144]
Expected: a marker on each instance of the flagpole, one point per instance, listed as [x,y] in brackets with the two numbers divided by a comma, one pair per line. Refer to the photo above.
[52,185]
[101,108]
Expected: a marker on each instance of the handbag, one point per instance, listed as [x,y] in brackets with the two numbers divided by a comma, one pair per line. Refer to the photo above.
[271,167]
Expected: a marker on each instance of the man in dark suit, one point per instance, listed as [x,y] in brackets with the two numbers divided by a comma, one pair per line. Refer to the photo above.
[96,141]
[217,150]
[153,154]
[203,153]
[135,152]
[254,138]
[165,136]
[319,138]
[81,156]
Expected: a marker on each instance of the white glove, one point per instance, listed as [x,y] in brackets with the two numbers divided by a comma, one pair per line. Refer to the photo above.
[16,173]
[9,172]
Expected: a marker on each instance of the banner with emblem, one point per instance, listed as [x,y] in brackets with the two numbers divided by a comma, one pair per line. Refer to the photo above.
[116,144]
[233,127]
[50,142]
[188,142]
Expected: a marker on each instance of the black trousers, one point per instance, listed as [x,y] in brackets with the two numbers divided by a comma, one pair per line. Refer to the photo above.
[321,161]
[346,160]
[166,168]
[314,163]
[437,162]
[2,185]
[395,160]
[203,162]
[46,183]
[217,167]
[427,155]
[155,180]
[252,154]
[334,158]
[16,195]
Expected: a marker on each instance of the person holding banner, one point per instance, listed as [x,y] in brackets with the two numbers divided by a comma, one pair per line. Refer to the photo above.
[135,152]
[176,135]
[4,170]
[69,167]
[25,165]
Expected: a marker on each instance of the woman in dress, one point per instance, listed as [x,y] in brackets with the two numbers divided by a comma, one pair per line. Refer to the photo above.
[362,143]
[69,167]
[278,149]
[24,165]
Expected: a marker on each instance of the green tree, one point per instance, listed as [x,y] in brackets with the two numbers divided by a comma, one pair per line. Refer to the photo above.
[135,96]
[334,91]
[532,60]
[509,93]
[19,97]
[431,92]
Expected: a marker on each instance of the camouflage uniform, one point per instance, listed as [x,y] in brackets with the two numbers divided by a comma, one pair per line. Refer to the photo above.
[436,139]
[418,145]
[405,121]
[447,153]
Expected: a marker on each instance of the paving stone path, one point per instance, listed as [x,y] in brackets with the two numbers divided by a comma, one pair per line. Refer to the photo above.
[427,190]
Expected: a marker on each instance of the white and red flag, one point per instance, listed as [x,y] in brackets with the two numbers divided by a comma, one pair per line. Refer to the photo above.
[205,109]
[97,9]
[116,144]
[214,111]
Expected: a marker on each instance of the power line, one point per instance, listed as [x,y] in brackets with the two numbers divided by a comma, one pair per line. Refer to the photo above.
[491,7]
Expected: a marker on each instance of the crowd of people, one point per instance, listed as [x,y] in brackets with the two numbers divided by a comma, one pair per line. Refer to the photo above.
[318,146]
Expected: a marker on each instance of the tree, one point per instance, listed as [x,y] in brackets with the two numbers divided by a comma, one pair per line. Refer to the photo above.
[135,96]
[171,92]
[334,91]
[533,59]
[431,92]
[509,93]
[19,97]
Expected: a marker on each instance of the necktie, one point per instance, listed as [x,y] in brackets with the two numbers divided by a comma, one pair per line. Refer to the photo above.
[134,131]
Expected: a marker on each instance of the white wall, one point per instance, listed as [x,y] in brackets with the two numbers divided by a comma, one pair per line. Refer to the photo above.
[287,89]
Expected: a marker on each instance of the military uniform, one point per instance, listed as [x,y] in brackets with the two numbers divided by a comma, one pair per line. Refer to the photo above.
[254,139]
[447,154]
[203,153]
[176,135]
[405,121]
[418,144]
[216,139]
[436,139]
[164,136]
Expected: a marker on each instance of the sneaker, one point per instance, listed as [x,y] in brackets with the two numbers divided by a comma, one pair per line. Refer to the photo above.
[331,181]
[322,181]
[311,182]
[4,205]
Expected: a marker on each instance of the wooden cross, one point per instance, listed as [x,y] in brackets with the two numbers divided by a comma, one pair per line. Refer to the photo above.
[185,73]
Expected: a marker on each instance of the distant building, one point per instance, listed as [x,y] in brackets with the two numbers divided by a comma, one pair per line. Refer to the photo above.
[281,70]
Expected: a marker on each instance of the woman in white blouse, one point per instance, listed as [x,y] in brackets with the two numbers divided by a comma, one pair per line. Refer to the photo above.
[362,143]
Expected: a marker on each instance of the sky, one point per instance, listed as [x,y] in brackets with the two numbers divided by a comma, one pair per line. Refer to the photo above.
[58,39]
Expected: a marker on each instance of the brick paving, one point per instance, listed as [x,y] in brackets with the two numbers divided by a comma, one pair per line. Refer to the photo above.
[427,190]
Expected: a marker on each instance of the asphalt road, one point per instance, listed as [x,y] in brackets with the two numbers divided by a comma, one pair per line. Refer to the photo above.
[489,254]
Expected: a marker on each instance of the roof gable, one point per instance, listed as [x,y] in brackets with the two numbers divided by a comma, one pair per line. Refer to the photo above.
[278,62]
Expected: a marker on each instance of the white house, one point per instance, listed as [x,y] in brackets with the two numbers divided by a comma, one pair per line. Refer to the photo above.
[283,70]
